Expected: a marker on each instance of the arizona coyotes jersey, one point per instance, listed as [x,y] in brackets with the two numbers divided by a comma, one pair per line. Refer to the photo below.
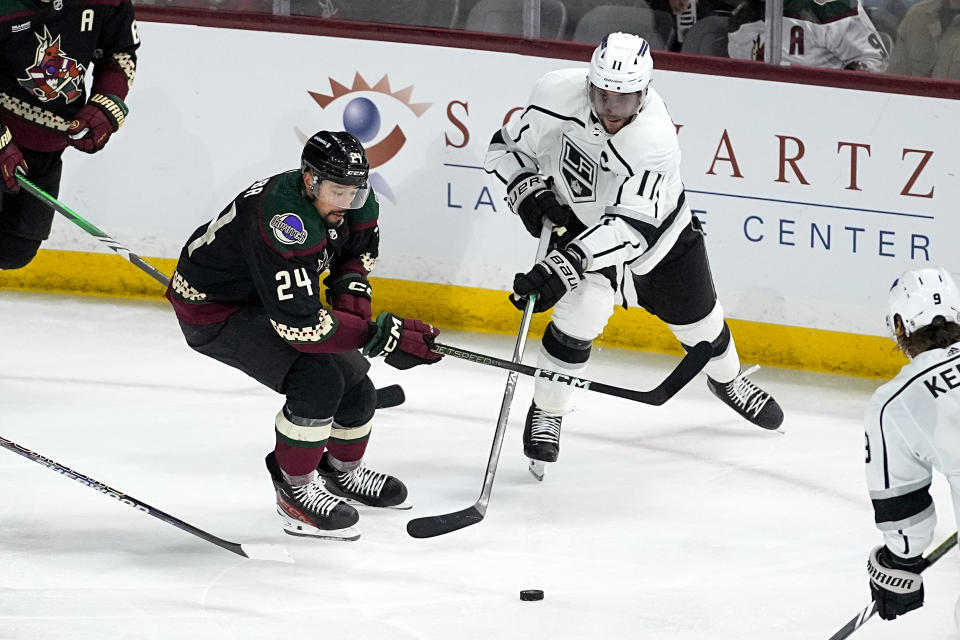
[46,50]
[831,35]
[624,187]
[913,426]
[268,247]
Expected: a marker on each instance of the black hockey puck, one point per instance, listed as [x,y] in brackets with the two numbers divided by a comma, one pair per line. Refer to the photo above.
[531,594]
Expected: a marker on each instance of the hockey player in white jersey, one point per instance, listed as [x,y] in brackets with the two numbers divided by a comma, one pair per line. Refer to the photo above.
[597,154]
[829,35]
[913,427]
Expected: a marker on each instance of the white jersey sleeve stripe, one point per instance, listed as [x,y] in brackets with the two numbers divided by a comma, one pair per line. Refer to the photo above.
[894,492]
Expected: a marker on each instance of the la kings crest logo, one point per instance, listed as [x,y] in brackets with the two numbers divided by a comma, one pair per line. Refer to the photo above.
[579,172]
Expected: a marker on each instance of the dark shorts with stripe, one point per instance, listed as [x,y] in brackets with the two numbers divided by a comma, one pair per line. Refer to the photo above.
[679,290]
[248,342]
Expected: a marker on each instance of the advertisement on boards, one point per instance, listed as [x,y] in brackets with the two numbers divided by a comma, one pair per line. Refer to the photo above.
[813,199]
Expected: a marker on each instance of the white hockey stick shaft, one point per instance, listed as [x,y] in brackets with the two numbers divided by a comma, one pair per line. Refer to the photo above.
[430,526]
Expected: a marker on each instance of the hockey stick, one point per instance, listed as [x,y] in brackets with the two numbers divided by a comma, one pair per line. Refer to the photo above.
[857,621]
[272,552]
[430,526]
[59,207]
[389,396]
[685,371]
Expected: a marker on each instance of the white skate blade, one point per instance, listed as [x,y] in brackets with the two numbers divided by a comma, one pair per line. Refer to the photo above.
[537,469]
[271,552]
[304,530]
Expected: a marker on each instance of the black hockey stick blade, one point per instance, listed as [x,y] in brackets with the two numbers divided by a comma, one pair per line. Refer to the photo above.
[432,526]
[691,364]
[858,620]
[390,396]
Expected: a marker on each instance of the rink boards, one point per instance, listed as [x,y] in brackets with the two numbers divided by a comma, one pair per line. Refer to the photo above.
[813,198]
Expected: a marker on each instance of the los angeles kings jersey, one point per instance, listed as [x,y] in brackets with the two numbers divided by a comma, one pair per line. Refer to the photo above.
[46,52]
[913,427]
[625,188]
[829,35]
[268,247]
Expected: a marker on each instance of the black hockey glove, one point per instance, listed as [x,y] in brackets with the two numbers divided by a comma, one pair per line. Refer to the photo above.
[99,119]
[349,292]
[403,342]
[530,197]
[11,162]
[895,583]
[561,271]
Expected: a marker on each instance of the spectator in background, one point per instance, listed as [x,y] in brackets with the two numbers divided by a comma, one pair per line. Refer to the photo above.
[833,35]
[928,41]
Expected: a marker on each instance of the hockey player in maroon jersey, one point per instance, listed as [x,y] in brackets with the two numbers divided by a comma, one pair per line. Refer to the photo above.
[47,48]
[247,292]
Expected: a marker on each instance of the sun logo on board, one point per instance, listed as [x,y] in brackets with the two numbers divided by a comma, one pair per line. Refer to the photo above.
[363,109]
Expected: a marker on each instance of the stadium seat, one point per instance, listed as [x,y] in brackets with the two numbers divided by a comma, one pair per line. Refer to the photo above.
[506,16]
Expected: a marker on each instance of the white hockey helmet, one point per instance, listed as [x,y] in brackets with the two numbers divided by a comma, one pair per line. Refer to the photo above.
[622,63]
[920,295]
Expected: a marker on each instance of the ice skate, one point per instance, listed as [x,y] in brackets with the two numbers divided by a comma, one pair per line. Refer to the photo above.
[364,486]
[749,400]
[310,510]
[541,439]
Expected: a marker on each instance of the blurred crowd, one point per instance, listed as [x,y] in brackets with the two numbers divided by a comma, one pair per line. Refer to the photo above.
[906,37]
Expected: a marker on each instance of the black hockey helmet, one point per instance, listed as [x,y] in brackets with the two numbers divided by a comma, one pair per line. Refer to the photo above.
[336,156]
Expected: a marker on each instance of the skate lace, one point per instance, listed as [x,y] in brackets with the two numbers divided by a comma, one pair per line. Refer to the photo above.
[745,394]
[545,428]
[363,481]
[315,498]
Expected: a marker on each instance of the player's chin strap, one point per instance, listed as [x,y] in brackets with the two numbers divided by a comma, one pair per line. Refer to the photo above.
[430,526]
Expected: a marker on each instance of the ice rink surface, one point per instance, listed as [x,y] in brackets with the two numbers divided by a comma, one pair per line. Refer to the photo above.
[673,523]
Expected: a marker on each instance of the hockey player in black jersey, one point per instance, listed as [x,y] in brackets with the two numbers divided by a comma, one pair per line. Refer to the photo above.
[247,292]
[596,153]
[47,49]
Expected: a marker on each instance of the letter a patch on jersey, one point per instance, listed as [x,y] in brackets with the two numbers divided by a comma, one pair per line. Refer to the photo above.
[579,172]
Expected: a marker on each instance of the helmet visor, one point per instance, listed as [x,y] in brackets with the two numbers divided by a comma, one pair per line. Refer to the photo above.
[613,105]
[341,196]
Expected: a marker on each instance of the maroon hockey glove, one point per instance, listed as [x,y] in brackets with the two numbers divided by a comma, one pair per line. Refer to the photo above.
[96,122]
[530,197]
[11,161]
[550,279]
[402,341]
[349,292]
[895,583]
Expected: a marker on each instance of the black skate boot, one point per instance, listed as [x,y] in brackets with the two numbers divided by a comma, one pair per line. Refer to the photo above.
[310,510]
[749,400]
[541,439]
[364,486]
